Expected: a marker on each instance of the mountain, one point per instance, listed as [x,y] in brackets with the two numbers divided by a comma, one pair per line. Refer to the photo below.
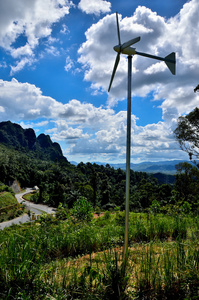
[25,140]
[165,167]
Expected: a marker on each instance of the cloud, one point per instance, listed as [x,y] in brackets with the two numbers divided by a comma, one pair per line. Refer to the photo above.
[69,64]
[159,36]
[52,51]
[31,21]
[22,51]
[31,124]
[156,68]
[64,29]
[20,64]
[69,134]
[3,65]
[82,128]
[95,6]
[25,101]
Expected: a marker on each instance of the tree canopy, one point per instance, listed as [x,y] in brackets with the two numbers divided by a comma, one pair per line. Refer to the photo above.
[187,133]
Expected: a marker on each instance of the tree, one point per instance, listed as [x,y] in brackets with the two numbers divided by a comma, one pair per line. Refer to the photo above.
[186,185]
[82,210]
[185,180]
[187,133]
[146,192]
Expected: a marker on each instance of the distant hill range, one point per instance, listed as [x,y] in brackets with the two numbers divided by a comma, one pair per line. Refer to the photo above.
[25,140]
[164,171]
[164,167]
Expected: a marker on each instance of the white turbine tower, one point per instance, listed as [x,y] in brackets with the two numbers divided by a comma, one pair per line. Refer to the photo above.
[171,64]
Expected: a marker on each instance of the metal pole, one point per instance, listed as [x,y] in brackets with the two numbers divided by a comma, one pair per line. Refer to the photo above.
[128,156]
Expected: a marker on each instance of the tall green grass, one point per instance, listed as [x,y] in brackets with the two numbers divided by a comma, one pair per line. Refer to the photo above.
[168,272]
[7,199]
[146,228]
[47,258]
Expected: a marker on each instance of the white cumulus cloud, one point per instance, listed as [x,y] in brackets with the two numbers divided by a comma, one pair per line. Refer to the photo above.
[95,6]
[32,20]
[82,128]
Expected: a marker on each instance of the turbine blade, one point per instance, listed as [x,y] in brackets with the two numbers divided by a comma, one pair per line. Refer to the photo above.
[170,61]
[130,42]
[114,70]
[118,29]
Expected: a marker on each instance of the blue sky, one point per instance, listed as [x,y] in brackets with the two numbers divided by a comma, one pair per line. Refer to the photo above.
[56,60]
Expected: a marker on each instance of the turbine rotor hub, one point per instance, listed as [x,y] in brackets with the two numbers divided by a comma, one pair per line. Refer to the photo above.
[117,48]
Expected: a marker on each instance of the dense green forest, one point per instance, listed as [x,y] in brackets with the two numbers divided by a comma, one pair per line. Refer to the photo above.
[103,186]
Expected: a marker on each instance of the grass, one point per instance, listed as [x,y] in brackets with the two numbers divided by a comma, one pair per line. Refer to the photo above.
[28,196]
[78,260]
[7,199]
[168,271]
[9,207]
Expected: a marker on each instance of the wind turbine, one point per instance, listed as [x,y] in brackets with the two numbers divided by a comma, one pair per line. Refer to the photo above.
[171,64]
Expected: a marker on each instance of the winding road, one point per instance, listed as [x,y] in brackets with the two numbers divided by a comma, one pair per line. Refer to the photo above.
[36,209]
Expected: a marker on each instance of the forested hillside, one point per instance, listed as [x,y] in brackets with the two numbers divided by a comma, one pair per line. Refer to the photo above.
[25,140]
[103,186]
[62,182]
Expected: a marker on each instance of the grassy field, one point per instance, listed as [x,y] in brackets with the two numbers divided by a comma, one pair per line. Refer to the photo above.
[7,199]
[9,207]
[54,259]
[28,196]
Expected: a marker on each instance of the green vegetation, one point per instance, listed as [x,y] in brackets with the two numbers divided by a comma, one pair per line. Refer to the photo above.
[186,133]
[7,199]
[71,259]
[29,196]
[102,186]
[82,210]
[9,207]
[79,256]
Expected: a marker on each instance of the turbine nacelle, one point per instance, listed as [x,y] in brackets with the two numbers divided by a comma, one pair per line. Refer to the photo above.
[127,50]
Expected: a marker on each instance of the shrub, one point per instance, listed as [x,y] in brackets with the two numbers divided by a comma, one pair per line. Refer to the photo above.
[155,207]
[117,208]
[120,218]
[5,188]
[47,219]
[107,215]
[34,197]
[98,210]
[186,208]
[62,212]
[82,210]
